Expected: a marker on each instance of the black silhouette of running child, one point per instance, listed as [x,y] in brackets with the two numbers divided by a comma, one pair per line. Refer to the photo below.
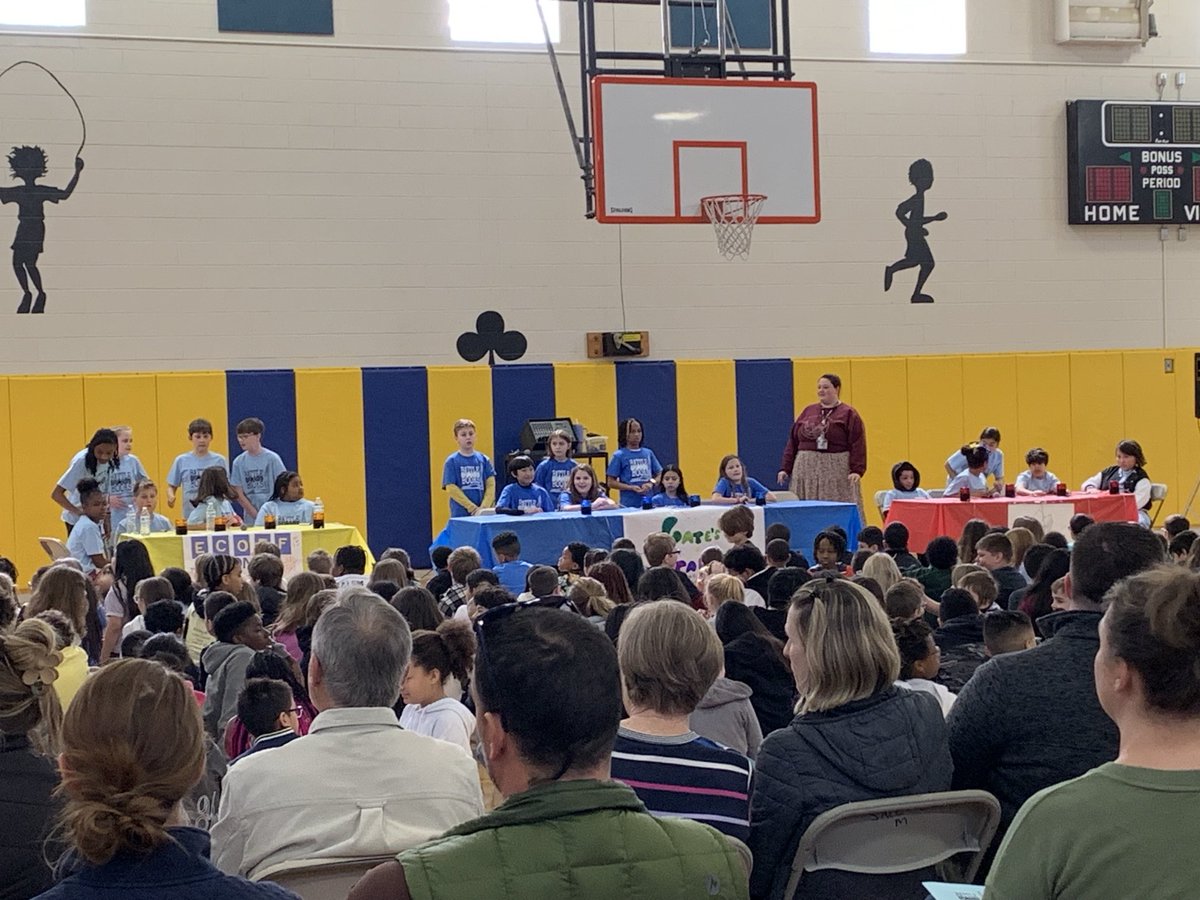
[29,164]
[911,214]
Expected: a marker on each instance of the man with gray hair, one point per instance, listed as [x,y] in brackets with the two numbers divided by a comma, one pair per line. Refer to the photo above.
[357,785]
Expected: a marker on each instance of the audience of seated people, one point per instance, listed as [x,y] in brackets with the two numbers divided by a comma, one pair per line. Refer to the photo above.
[345,713]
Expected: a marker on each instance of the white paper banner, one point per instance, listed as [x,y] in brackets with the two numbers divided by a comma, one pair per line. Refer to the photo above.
[240,544]
[694,529]
[1054,516]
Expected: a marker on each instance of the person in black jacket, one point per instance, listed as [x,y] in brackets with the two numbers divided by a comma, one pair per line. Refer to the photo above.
[1029,720]
[857,735]
[755,658]
[30,719]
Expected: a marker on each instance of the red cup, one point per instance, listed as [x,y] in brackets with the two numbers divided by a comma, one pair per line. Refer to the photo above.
[1061,489]
[964,494]
[1114,487]
[1010,490]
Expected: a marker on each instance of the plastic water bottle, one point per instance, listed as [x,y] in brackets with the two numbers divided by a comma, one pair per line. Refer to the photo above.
[144,522]
[210,514]
[318,514]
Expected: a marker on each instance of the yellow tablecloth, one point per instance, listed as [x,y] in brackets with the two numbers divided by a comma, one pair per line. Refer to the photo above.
[167,549]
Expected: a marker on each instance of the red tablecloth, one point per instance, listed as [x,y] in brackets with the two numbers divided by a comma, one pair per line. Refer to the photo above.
[926,519]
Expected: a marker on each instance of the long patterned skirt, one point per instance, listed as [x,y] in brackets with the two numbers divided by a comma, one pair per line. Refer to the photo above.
[825,476]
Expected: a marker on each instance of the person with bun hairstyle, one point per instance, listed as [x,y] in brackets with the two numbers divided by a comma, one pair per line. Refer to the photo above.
[989,439]
[30,719]
[974,476]
[1125,812]
[132,750]
[65,590]
[437,655]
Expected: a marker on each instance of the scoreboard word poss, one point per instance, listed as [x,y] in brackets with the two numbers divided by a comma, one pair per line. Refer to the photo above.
[1133,163]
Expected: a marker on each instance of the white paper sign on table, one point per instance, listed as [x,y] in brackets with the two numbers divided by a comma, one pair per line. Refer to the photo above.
[694,529]
[1053,516]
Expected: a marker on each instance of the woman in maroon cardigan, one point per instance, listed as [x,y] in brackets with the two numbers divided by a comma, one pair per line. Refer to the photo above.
[826,452]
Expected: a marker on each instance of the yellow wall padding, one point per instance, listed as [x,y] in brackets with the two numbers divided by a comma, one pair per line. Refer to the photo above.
[329,442]
[707,417]
[457,392]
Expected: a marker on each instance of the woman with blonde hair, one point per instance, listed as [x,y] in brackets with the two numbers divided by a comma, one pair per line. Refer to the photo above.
[132,749]
[719,588]
[30,719]
[1021,540]
[883,569]
[65,590]
[392,570]
[588,596]
[856,735]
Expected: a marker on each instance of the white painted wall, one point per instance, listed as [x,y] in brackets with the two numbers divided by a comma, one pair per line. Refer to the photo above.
[358,200]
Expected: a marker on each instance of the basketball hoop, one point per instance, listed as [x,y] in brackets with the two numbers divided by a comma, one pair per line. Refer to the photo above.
[733,217]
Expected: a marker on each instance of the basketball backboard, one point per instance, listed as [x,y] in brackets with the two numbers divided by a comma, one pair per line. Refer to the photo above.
[662,144]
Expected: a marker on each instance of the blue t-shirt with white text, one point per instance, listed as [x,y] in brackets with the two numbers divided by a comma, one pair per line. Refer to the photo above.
[633,467]
[662,499]
[131,524]
[256,475]
[553,475]
[85,541]
[185,472]
[533,497]
[727,488]
[470,473]
[287,512]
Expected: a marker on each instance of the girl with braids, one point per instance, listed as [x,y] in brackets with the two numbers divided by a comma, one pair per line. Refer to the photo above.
[133,747]
[131,564]
[97,460]
[30,719]
[436,657]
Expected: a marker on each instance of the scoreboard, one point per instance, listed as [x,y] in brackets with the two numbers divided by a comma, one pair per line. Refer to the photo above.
[1131,163]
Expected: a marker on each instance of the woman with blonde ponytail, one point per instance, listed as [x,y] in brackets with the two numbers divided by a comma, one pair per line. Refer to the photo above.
[30,718]
[132,748]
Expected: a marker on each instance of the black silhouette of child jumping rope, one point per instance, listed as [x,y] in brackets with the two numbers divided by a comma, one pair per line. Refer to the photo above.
[911,214]
[29,164]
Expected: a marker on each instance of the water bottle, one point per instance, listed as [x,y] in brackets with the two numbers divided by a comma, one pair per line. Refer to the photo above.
[210,514]
[144,522]
[318,514]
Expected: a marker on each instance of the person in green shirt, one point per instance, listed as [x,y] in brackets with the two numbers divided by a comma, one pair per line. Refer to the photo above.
[1126,828]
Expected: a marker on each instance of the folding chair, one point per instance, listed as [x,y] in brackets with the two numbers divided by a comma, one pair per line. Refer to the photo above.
[936,492]
[879,495]
[1158,493]
[894,836]
[320,879]
[54,548]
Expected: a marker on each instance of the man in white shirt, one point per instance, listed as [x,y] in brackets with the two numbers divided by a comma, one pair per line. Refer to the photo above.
[357,785]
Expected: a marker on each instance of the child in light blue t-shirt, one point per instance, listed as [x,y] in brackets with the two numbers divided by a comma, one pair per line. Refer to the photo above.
[974,477]
[554,472]
[145,497]
[468,477]
[633,468]
[523,497]
[214,485]
[734,485]
[86,540]
[287,503]
[184,474]
[989,438]
[1037,479]
[96,460]
[906,484]
[670,490]
[123,476]
[255,468]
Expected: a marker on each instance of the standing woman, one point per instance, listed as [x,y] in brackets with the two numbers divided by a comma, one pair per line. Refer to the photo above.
[96,460]
[132,750]
[826,452]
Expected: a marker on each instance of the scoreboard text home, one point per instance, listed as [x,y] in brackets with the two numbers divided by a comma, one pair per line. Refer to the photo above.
[1132,163]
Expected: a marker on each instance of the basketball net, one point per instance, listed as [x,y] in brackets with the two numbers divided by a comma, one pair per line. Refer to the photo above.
[733,217]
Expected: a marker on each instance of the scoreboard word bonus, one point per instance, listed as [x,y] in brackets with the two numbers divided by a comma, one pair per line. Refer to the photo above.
[1131,163]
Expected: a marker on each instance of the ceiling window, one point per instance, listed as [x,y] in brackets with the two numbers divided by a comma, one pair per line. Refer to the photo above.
[934,27]
[501,21]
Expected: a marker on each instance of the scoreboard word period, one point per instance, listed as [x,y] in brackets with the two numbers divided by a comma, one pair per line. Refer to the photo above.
[1131,163]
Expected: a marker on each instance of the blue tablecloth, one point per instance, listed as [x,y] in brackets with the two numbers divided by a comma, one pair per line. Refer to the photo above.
[543,536]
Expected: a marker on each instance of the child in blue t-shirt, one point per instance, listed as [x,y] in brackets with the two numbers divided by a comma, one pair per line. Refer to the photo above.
[670,491]
[95,461]
[255,469]
[522,497]
[633,468]
[185,472]
[86,541]
[124,473]
[214,485]
[468,477]
[989,439]
[1037,480]
[906,484]
[287,503]
[975,477]
[145,497]
[734,485]
[509,567]
[554,472]
[583,485]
